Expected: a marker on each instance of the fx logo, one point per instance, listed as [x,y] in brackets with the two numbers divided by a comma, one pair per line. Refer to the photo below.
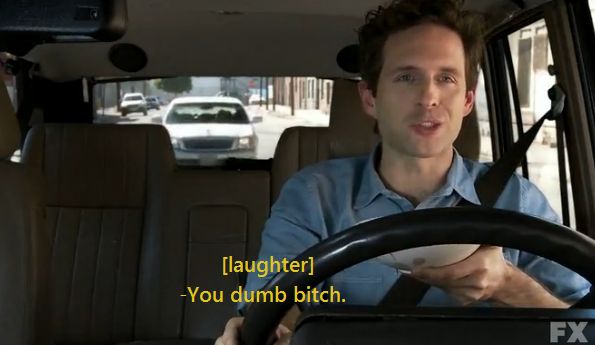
[558,329]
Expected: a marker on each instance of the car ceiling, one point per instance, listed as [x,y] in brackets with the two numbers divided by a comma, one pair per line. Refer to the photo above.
[268,37]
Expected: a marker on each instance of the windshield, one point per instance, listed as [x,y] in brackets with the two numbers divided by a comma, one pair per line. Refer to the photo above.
[133,98]
[207,113]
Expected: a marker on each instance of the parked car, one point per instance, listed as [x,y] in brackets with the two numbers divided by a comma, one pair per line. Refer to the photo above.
[153,102]
[255,99]
[133,103]
[210,129]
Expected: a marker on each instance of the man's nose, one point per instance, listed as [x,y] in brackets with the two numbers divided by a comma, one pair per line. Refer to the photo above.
[429,95]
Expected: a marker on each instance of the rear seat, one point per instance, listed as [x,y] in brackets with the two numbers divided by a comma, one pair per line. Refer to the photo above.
[350,133]
[97,180]
[131,232]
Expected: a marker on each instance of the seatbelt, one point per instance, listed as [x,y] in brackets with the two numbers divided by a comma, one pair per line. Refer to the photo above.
[408,291]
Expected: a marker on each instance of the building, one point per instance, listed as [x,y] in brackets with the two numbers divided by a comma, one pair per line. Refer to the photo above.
[303,92]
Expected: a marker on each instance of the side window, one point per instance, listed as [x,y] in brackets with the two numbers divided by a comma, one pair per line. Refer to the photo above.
[9,80]
[481,107]
[10,83]
[531,55]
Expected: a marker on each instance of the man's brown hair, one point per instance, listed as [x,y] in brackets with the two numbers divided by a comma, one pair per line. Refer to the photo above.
[401,15]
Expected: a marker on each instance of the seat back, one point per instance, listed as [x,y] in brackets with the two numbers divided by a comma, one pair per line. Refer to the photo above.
[24,246]
[196,219]
[97,181]
[131,232]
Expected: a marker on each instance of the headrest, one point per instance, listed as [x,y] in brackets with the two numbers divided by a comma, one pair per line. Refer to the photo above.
[10,133]
[298,147]
[351,129]
[93,166]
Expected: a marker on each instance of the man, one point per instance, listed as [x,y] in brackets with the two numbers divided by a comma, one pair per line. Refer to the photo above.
[419,66]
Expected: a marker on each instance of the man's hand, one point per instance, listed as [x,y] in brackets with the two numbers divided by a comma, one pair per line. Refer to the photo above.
[487,276]
[231,334]
[477,278]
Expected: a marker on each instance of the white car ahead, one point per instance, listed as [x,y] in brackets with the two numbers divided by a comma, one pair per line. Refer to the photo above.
[209,130]
[133,103]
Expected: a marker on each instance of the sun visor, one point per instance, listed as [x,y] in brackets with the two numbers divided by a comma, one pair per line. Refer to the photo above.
[24,24]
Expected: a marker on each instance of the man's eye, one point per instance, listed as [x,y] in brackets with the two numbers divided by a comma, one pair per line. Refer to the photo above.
[447,79]
[404,77]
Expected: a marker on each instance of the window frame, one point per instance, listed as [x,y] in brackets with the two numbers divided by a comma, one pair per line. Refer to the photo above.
[580,160]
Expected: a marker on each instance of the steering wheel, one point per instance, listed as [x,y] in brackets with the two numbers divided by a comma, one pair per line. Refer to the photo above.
[458,225]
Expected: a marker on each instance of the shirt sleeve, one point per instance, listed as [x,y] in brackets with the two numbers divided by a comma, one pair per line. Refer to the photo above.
[295,224]
[559,280]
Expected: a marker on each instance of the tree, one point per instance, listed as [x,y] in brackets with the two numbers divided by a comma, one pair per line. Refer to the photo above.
[174,85]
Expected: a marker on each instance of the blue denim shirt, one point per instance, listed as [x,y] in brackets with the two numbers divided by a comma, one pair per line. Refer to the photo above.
[329,197]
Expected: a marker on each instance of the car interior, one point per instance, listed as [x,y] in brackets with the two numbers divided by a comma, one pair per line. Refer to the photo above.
[102,232]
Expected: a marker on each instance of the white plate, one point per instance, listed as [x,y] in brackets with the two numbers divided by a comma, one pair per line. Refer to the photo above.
[430,256]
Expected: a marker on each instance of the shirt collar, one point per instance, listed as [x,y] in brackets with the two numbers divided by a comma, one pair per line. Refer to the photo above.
[458,180]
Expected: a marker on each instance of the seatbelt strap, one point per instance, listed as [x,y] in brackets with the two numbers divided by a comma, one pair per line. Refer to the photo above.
[489,186]
[405,292]
[408,291]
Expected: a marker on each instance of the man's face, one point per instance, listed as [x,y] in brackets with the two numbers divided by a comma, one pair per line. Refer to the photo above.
[421,96]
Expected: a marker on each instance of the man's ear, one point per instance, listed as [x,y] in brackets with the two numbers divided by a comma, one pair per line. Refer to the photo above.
[469,102]
[367,98]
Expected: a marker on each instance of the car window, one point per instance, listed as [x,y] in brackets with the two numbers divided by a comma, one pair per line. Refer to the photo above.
[9,80]
[10,84]
[266,107]
[206,113]
[531,57]
[481,107]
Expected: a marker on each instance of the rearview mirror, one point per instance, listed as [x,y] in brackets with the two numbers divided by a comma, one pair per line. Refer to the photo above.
[24,24]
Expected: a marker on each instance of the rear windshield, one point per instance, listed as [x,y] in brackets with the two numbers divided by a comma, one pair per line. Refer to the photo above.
[207,113]
[133,98]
